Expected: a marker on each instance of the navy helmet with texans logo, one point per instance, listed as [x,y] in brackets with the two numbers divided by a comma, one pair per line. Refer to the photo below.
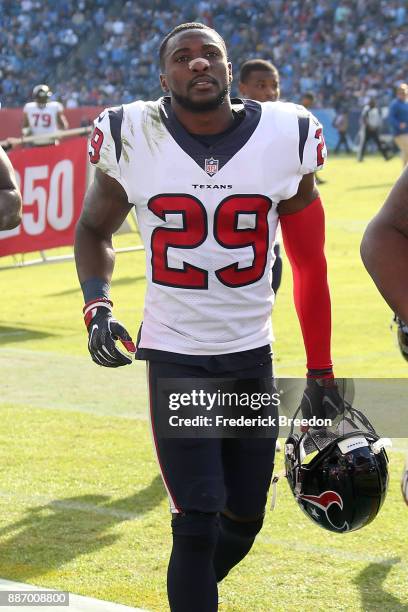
[339,474]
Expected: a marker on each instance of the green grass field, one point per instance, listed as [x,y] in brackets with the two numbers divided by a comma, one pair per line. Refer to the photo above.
[82,504]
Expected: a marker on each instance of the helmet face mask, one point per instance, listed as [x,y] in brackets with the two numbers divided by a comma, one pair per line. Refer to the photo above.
[338,478]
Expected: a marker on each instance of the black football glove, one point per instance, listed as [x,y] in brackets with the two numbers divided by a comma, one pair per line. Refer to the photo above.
[103,331]
[321,399]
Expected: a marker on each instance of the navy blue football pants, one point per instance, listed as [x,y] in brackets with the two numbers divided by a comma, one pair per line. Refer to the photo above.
[218,490]
[209,475]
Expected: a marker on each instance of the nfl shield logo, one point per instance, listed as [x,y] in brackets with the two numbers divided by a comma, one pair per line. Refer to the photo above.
[211,166]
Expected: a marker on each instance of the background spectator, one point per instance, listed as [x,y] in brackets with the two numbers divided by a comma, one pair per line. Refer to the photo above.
[104,52]
[398,118]
[340,122]
[371,123]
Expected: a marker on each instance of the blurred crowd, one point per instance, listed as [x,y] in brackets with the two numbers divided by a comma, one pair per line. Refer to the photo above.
[344,51]
[38,35]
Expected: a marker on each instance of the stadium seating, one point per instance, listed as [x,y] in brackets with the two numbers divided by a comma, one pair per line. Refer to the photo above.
[343,51]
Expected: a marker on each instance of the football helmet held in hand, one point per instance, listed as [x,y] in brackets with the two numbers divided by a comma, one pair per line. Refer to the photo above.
[103,332]
[338,476]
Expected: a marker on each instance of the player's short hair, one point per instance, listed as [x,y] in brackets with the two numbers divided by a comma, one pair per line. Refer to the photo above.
[194,25]
[256,64]
[309,95]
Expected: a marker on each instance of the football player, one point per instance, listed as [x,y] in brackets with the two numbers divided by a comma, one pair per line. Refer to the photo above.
[308,101]
[210,177]
[10,197]
[259,80]
[43,116]
[387,233]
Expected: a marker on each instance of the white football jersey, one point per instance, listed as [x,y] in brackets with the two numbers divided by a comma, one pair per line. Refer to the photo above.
[207,215]
[43,119]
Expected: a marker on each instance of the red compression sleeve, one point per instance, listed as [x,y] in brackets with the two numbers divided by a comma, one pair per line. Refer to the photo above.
[303,237]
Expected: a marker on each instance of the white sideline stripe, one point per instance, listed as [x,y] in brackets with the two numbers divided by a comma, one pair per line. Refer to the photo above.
[336,553]
[65,505]
[91,411]
[14,333]
[77,603]
[397,449]
[278,366]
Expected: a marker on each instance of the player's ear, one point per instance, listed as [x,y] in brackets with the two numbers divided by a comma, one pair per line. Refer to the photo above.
[163,83]
[242,89]
[229,72]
